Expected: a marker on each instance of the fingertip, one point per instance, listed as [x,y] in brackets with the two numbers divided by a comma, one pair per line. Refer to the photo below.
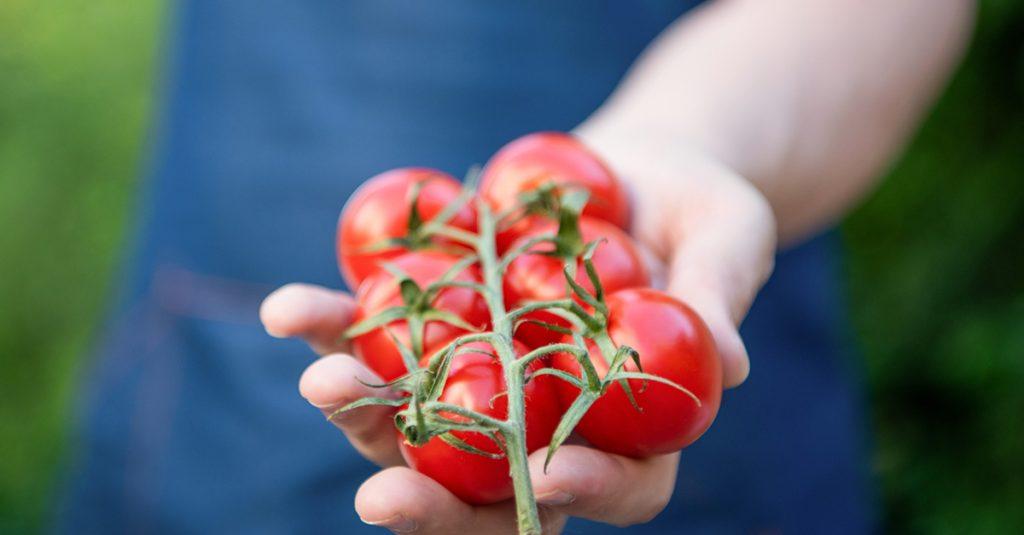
[282,312]
[376,498]
[732,352]
[735,364]
[573,470]
[404,497]
[585,482]
[335,379]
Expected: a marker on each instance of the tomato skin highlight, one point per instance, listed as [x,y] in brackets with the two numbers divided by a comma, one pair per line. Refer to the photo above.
[535,159]
[475,381]
[379,210]
[380,291]
[673,343]
[536,277]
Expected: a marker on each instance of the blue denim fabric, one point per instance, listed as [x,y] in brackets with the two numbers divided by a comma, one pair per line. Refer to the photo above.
[273,113]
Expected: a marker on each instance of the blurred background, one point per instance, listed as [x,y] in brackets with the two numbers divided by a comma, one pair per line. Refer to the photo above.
[935,261]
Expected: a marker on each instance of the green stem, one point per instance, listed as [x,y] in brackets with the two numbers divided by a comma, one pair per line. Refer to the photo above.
[416,327]
[452,233]
[527,359]
[606,345]
[539,305]
[458,410]
[515,431]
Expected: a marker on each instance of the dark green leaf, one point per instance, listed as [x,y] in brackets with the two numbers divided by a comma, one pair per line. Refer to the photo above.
[550,349]
[415,219]
[411,293]
[572,416]
[436,287]
[567,377]
[574,317]
[440,372]
[648,377]
[384,245]
[459,267]
[454,320]
[628,389]
[549,326]
[579,290]
[398,273]
[595,280]
[367,402]
[460,444]
[376,321]
[528,246]
[570,241]
[481,419]
[409,357]
[397,382]
[465,196]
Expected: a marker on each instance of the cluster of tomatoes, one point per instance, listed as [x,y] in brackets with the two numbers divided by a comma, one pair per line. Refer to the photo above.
[381,237]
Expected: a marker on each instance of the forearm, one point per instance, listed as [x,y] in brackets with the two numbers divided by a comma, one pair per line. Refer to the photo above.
[809,100]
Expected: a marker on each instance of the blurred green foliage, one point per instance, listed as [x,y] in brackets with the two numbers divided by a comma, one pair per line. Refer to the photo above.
[75,90]
[937,284]
[935,260]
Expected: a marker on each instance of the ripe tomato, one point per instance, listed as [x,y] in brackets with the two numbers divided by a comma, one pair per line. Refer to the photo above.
[673,343]
[379,210]
[535,277]
[475,381]
[535,159]
[380,291]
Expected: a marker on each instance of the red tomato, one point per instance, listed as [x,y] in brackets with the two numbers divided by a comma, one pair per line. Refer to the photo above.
[535,277]
[535,159]
[379,210]
[475,381]
[380,291]
[673,343]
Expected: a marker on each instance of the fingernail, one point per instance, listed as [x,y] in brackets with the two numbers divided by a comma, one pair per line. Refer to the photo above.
[557,497]
[397,524]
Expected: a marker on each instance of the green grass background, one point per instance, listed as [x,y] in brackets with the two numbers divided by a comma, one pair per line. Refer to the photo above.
[935,263]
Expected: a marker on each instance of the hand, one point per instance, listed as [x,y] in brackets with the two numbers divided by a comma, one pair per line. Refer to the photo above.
[713,237]
[710,233]
[580,481]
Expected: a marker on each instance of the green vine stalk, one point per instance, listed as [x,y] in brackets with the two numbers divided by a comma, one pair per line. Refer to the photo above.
[422,417]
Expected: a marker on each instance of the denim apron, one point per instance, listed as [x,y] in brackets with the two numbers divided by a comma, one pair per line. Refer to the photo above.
[272,114]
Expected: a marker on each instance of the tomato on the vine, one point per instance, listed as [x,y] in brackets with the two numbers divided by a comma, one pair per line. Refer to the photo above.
[673,343]
[476,382]
[535,276]
[527,163]
[381,290]
[379,211]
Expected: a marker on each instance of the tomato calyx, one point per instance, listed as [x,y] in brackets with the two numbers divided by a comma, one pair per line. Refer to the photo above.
[422,234]
[544,200]
[422,416]
[417,309]
[589,324]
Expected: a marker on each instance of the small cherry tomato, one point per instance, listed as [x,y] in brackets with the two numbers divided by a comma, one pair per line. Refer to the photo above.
[476,381]
[379,210]
[533,160]
[381,290]
[673,343]
[538,277]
